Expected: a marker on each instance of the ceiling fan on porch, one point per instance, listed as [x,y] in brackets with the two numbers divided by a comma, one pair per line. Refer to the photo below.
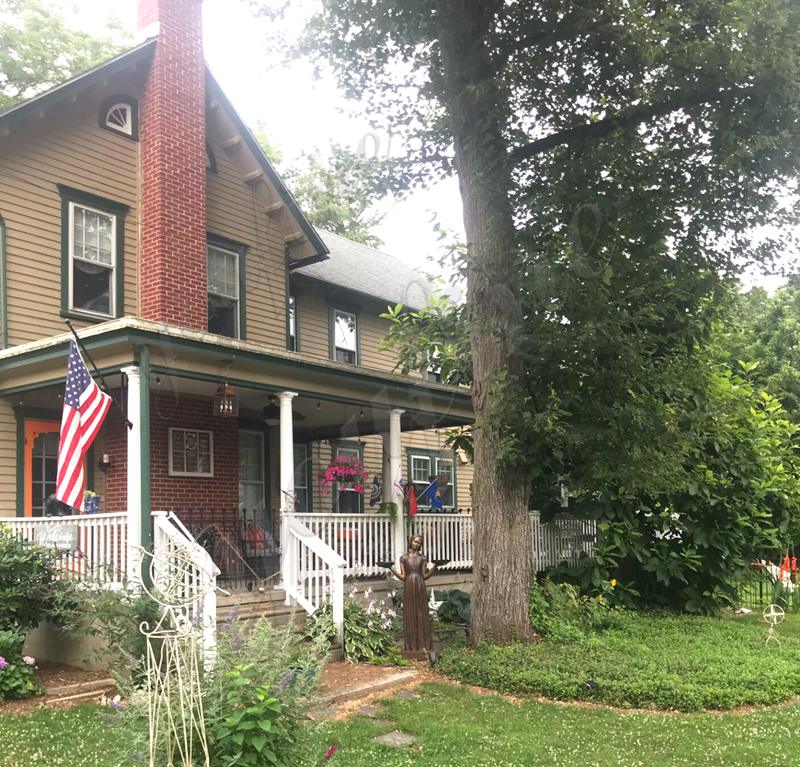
[272,413]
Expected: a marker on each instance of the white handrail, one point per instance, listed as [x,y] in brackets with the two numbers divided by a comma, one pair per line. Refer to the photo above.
[313,572]
[91,546]
[169,535]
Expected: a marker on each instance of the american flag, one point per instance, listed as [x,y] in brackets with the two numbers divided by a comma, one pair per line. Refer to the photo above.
[85,409]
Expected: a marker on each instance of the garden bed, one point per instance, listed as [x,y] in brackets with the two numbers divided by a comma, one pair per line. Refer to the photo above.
[667,662]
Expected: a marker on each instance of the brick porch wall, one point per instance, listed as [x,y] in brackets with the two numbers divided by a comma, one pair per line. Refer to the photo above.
[214,494]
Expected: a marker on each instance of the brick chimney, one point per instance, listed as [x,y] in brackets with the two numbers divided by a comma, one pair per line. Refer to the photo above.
[173,273]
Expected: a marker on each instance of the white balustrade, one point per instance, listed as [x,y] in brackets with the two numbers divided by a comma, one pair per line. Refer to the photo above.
[173,542]
[446,538]
[314,571]
[364,541]
[92,547]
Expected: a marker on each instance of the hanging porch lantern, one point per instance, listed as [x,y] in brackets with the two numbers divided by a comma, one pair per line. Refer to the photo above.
[226,403]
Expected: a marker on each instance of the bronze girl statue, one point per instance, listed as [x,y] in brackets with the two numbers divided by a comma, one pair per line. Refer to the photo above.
[414,571]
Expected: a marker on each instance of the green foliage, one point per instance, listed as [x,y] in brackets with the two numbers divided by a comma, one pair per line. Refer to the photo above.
[259,730]
[38,49]
[16,676]
[454,607]
[337,193]
[116,617]
[368,629]
[559,612]
[255,698]
[668,662]
[29,583]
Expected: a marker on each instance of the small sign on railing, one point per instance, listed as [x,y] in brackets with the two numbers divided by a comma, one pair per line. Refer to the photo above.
[56,536]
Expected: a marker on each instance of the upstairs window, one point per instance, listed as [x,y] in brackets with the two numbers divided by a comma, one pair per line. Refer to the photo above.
[291,324]
[120,115]
[344,332]
[92,255]
[225,278]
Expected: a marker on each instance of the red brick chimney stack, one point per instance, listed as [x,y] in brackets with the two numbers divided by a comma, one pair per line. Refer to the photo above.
[173,273]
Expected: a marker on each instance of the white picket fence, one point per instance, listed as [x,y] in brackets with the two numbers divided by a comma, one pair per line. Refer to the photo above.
[91,546]
[564,539]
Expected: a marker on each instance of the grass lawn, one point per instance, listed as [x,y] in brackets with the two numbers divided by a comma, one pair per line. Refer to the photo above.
[671,662]
[660,659]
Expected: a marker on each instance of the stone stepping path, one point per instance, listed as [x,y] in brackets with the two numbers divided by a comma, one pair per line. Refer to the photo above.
[395,738]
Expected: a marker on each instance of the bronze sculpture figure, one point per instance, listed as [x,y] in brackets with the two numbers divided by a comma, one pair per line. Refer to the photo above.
[414,571]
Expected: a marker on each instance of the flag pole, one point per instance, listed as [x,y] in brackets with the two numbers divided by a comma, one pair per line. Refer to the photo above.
[98,373]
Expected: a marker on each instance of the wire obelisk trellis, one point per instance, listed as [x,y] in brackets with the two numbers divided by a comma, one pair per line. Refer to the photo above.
[174,660]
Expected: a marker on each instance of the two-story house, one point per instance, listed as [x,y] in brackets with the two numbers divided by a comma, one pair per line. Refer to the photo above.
[242,343]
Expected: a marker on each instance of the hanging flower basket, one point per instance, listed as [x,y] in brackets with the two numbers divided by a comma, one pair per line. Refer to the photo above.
[344,471]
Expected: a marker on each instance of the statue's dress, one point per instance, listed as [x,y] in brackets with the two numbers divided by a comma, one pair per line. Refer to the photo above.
[416,623]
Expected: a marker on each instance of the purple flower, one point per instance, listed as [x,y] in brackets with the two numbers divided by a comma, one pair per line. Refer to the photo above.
[3,663]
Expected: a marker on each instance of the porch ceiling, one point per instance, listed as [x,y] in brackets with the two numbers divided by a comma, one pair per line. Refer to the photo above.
[332,398]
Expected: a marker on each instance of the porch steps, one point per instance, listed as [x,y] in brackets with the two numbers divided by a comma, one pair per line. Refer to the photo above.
[267,604]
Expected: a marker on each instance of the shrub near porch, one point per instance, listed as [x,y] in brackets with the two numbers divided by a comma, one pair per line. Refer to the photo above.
[685,663]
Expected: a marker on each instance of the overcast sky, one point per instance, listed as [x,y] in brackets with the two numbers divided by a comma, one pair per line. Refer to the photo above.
[300,113]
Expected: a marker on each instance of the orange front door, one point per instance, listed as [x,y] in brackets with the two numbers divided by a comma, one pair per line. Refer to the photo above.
[41,464]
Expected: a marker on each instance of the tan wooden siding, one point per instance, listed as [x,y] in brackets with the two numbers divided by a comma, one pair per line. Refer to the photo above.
[236,211]
[65,146]
[8,460]
[322,453]
[314,301]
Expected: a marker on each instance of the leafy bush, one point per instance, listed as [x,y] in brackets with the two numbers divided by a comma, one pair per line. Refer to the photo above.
[263,681]
[259,727]
[559,611]
[368,629]
[16,675]
[686,663]
[28,581]
[454,607]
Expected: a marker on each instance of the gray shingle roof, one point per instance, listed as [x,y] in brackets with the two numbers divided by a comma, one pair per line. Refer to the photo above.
[358,267]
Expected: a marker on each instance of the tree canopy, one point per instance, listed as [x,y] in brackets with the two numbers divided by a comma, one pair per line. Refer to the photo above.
[39,50]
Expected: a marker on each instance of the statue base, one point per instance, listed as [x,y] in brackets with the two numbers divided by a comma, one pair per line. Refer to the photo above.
[414,654]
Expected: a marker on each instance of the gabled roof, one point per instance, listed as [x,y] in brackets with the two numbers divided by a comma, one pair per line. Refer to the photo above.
[141,52]
[359,268]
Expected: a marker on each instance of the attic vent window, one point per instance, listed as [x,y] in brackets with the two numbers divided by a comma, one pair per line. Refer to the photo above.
[119,114]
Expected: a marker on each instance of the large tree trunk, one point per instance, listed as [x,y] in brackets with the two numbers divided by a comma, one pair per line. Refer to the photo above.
[500,496]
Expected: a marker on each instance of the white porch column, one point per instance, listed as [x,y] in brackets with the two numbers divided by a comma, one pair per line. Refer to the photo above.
[386,476]
[286,484]
[395,474]
[134,479]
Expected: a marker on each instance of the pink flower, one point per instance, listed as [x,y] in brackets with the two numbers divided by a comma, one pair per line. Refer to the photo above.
[330,752]
[3,663]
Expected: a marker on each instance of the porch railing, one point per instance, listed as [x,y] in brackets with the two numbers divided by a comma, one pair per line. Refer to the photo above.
[363,541]
[446,538]
[90,546]
[313,573]
[198,591]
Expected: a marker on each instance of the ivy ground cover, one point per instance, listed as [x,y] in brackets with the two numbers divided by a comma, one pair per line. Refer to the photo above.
[682,663]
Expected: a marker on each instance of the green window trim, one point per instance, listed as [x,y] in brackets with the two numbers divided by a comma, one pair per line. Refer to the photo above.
[432,455]
[292,302]
[240,249]
[347,444]
[70,196]
[309,462]
[346,309]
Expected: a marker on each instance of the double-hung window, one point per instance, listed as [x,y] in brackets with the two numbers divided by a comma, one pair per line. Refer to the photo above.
[224,291]
[427,466]
[348,501]
[344,332]
[92,254]
[302,466]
